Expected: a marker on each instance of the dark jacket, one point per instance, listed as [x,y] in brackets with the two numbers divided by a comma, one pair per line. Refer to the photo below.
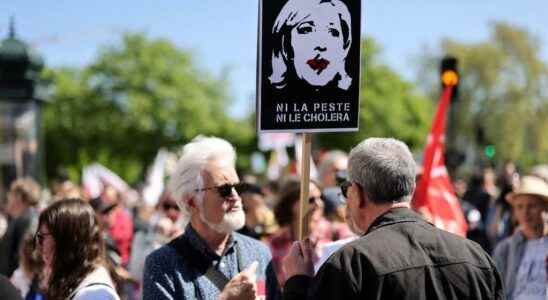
[7,290]
[402,257]
[10,244]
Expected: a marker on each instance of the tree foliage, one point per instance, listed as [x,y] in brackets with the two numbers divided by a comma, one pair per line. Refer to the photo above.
[503,93]
[389,106]
[136,97]
[143,94]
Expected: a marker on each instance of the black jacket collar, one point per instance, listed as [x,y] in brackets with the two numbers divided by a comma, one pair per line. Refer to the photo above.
[393,216]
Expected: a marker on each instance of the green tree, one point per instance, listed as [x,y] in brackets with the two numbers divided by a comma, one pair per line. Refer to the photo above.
[137,96]
[389,106]
[503,98]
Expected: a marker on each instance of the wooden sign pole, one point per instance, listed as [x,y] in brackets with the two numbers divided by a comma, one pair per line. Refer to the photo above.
[305,185]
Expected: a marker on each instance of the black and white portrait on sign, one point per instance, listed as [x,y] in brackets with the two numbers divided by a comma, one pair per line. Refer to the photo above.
[309,64]
[311,42]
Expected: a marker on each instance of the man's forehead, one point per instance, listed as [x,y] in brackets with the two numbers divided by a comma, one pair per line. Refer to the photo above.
[216,169]
[527,199]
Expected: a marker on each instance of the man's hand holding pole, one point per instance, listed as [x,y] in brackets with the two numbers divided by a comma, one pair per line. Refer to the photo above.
[299,259]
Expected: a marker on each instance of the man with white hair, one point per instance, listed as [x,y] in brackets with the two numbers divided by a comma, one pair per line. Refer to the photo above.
[399,255]
[209,260]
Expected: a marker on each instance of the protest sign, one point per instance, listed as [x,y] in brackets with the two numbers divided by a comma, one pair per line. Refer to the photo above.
[308,66]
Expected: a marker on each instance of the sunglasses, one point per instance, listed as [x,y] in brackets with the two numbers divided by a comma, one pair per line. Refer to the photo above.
[39,238]
[225,190]
[168,206]
[312,200]
[344,185]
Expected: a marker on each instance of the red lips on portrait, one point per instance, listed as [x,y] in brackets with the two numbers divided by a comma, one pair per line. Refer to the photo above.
[318,64]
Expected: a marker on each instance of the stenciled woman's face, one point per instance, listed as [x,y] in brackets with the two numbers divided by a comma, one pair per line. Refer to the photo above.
[317,43]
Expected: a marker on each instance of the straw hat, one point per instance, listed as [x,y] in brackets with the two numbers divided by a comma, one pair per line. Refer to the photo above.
[541,171]
[531,185]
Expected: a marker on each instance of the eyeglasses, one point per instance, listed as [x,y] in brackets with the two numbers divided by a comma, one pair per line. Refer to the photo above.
[344,185]
[39,238]
[225,190]
[168,206]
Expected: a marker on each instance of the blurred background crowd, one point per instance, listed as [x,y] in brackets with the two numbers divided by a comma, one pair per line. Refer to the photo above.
[137,220]
[105,123]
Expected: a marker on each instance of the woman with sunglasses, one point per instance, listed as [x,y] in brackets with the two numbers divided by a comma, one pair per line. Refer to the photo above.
[70,241]
[287,216]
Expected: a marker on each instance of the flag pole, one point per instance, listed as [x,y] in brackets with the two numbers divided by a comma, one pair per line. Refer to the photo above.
[305,184]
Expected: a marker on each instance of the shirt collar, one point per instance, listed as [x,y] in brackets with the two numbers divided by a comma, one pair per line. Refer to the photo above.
[198,243]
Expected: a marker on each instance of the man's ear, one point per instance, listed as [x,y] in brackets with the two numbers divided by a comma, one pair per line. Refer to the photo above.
[364,199]
[191,203]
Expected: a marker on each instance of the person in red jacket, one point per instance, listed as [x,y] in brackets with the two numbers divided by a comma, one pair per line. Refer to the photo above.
[120,223]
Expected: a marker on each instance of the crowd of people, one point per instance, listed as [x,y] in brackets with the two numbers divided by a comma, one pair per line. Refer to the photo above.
[213,234]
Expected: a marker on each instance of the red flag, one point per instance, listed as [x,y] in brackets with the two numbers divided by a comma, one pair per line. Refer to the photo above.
[435,197]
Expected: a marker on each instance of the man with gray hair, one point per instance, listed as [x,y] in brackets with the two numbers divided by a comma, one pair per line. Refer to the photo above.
[209,260]
[399,255]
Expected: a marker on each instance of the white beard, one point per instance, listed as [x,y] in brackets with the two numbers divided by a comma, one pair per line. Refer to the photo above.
[231,222]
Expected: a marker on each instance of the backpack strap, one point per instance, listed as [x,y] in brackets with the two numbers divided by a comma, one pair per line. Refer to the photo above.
[73,294]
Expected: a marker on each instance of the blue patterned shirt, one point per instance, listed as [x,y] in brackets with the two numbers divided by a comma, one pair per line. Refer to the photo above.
[179,274]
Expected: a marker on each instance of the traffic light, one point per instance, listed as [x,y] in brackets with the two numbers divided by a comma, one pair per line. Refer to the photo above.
[490,151]
[449,75]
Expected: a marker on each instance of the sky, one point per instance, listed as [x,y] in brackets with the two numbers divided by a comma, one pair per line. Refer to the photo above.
[223,34]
